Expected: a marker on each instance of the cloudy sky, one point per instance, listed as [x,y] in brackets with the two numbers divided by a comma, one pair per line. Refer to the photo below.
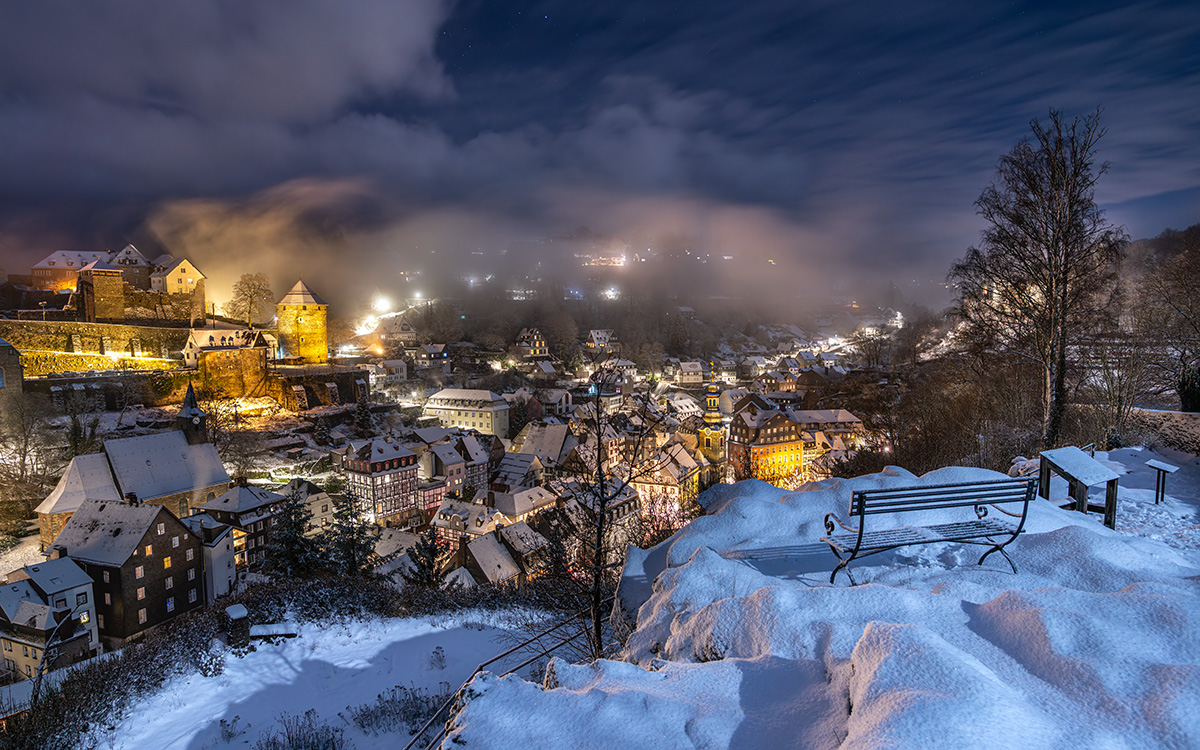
[838,135]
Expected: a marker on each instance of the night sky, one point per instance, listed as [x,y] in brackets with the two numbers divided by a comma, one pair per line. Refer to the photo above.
[838,136]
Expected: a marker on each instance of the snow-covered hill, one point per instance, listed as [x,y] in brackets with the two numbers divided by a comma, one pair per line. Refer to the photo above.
[738,640]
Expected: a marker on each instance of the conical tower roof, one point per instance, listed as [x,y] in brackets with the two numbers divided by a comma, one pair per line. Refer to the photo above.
[301,295]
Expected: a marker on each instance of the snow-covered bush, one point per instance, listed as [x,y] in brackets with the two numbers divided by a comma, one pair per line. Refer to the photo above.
[303,733]
[406,708]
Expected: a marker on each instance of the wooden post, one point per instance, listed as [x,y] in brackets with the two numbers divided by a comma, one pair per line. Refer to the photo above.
[1079,491]
[1044,478]
[1110,504]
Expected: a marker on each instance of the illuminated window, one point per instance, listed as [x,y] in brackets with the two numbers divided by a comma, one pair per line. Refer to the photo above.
[149,550]
[139,572]
[141,593]
[142,616]
[166,562]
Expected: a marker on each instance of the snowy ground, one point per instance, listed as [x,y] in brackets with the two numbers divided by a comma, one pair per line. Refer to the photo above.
[740,641]
[327,668]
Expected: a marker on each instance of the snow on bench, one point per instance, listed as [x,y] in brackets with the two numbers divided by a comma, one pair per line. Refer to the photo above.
[859,542]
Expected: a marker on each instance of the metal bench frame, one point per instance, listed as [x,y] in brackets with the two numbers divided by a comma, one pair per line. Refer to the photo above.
[859,543]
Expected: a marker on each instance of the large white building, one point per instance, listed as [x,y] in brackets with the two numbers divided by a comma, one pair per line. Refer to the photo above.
[479,410]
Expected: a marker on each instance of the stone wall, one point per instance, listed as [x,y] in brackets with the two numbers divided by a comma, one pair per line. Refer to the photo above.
[42,345]
[312,380]
[1176,429]
[239,372]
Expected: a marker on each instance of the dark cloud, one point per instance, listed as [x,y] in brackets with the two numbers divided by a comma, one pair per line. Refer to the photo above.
[837,136]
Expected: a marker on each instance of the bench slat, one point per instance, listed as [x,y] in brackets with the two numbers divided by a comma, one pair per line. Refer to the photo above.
[908,535]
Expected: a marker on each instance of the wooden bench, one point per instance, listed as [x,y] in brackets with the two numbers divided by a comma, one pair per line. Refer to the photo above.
[859,543]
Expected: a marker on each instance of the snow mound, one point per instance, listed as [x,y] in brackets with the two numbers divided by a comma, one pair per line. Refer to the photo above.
[736,638]
[608,704]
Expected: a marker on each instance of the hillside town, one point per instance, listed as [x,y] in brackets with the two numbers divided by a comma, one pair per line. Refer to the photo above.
[425,375]
[155,516]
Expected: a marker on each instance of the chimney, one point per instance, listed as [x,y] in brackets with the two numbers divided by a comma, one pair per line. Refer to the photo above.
[240,481]
[131,498]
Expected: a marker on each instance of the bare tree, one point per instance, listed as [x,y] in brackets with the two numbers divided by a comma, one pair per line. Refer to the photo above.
[252,298]
[1045,265]
[30,455]
[617,452]
[1172,291]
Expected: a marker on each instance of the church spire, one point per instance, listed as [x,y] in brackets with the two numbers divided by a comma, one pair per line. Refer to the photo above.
[192,419]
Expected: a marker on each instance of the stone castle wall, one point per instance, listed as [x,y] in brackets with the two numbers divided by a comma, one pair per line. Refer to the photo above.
[55,346]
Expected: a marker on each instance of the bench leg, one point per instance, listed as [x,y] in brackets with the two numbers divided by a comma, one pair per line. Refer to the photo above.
[999,548]
[841,566]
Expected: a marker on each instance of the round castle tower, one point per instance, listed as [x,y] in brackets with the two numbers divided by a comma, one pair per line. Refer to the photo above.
[300,319]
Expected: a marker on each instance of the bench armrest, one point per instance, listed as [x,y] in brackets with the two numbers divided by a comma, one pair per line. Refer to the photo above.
[831,519]
[982,511]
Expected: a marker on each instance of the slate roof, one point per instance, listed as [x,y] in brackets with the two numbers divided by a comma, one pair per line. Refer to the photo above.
[242,498]
[162,464]
[493,559]
[523,540]
[301,295]
[549,442]
[86,477]
[53,576]
[171,266]
[106,533]
[447,395]
[14,595]
[523,501]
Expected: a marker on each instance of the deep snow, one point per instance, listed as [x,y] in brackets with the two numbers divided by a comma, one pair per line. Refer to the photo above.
[328,667]
[739,640]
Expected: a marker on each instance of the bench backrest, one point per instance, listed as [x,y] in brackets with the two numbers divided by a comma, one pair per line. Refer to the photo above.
[935,496]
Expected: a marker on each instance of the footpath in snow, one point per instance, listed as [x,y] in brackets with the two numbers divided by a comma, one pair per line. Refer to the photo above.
[738,640]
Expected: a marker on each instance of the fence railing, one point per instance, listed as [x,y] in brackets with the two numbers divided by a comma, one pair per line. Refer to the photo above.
[540,652]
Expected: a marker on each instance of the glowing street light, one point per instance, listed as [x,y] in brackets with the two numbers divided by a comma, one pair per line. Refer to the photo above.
[382,304]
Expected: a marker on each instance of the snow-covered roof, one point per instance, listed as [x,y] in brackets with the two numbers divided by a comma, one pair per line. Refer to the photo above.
[449,396]
[106,533]
[392,542]
[523,501]
[162,464]
[475,452]
[22,604]
[447,455]
[53,576]
[523,540]
[242,498]
[100,265]
[87,477]
[460,576]
[493,559]
[547,441]
[430,435]
[172,265]
[301,295]
[378,449]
